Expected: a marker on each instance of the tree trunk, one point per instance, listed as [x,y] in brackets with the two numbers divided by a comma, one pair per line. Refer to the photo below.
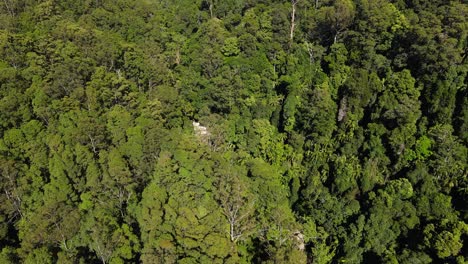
[211,8]
[232,231]
[293,21]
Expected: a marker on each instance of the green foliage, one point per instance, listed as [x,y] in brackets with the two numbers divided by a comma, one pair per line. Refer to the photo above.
[445,243]
[231,47]
[233,131]
[40,255]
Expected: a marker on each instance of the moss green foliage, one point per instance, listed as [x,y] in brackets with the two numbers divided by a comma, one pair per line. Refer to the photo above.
[326,131]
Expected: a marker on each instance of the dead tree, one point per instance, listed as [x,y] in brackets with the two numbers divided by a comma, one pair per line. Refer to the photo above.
[293,20]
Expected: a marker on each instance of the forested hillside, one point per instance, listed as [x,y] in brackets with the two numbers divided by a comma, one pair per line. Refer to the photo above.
[233,131]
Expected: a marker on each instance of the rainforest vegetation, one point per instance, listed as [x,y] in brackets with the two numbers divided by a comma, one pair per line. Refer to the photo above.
[233,131]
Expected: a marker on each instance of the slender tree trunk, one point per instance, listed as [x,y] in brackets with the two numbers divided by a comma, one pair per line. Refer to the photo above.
[293,21]
[64,240]
[92,143]
[211,8]
[232,231]
[337,34]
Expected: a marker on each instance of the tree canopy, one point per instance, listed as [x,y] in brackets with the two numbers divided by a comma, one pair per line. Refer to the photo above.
[236,131]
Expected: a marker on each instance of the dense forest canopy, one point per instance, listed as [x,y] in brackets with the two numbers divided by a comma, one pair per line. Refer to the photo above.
[233,131]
